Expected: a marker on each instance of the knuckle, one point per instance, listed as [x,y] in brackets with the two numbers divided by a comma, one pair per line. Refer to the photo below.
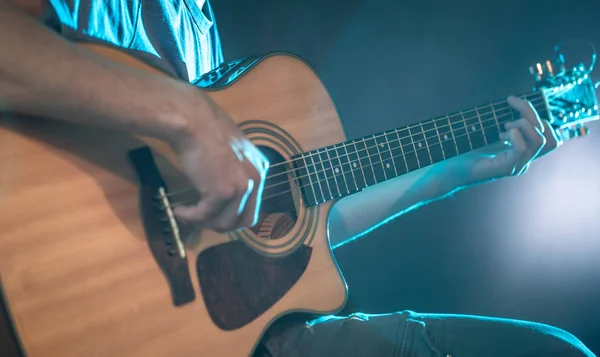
[255,176]
[245,184]
[262,167]
[222,226]
[226,190]
[520,148]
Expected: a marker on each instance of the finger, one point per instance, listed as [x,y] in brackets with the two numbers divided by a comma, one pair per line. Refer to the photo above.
[532,135]
[526,110]
[552,139]
[226,220]
[210,206]
[257,165]
[518,153]
[252,203]
[241,211]
[533,139]
[247,206]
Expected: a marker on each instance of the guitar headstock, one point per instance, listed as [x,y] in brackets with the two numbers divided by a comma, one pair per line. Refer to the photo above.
[570,96]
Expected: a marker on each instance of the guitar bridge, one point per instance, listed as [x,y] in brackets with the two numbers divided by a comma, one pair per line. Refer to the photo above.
[161,227]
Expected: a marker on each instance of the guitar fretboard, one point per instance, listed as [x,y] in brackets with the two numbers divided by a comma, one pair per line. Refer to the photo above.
[342,169]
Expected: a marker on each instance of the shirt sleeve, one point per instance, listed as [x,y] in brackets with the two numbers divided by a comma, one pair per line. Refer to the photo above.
[110,21]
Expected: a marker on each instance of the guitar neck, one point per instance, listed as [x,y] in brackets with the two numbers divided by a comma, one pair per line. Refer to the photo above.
[342,169]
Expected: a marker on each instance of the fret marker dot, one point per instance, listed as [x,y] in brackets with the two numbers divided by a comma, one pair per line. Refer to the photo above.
[445,137]
[354,164]
[419,144]
[387,166]
[472,128]
[337,171]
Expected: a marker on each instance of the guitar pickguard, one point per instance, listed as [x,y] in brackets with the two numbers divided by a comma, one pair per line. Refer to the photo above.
[239,284]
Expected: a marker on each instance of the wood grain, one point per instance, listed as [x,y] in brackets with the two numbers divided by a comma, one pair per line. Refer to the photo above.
[78,276]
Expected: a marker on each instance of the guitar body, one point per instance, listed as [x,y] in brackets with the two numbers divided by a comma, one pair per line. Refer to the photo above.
[76,269]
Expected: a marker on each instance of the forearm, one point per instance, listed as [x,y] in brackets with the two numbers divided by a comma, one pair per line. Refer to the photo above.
[358,214]
[43,75]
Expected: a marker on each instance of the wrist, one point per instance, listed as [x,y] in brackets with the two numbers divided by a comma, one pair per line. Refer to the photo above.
[184,117]
[456,173]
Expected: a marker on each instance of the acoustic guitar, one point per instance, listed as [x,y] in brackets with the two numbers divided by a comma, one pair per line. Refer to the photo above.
[93,262]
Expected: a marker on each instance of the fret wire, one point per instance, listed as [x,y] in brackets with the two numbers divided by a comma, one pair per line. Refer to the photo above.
[536,97]
[350,166]
[494,112]
[391,154]
[469,118]
[426,143]
[434,141]
[481,124]
[491,132]
[453,137]
[402,150]
[415,148]
[380,158]
[310,180]
[495,117]
[512,114]
[318,179]
[456,127]
[313,161]
[364,175]
[344,173]
[439,139]
[404,153]
[335,167]
[370,162]
[467,129]
[325,175]
[333,173]
[386,154]
[341,167]
[409,171]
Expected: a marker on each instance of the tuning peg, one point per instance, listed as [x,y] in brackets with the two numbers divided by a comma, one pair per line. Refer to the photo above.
[537,70]
[583,130]
[545,70]
[549,69]
[573,132]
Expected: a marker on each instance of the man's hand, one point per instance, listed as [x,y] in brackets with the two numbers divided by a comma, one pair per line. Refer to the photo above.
[525,140]
[227,170]
[221,163]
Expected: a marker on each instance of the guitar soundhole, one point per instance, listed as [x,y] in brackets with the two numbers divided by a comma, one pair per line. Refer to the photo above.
[278,213]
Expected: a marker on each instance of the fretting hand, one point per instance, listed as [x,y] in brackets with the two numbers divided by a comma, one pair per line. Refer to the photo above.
[523,141]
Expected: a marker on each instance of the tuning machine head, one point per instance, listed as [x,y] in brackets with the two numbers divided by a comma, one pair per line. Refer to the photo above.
[549,69]
[571,132]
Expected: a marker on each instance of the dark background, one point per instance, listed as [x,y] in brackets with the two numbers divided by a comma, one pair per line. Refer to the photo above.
[525,247]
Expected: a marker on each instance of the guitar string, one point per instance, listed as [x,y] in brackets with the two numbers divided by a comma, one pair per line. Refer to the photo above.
[447,117]
[402,146]
[312,184]
[412,145]
[407,128]
[316,172]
